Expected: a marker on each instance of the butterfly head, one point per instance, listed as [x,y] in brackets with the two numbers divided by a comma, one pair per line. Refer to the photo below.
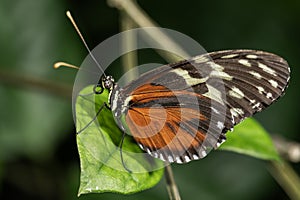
[108,82]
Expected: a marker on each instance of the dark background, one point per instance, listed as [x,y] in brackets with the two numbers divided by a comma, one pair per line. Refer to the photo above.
[38,153]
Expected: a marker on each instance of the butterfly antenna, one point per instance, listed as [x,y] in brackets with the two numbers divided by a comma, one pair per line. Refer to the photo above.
[121,153]
[57,65]
[68,13]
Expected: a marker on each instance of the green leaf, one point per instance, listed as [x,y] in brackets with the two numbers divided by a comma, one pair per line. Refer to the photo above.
[98,146]
[250,138]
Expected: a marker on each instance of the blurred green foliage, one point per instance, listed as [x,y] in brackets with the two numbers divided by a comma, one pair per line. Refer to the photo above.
[38,154]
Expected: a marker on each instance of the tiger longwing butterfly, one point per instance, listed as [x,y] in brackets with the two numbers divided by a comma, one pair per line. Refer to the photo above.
[179,112]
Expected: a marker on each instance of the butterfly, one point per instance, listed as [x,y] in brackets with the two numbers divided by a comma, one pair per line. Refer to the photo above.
[179,112]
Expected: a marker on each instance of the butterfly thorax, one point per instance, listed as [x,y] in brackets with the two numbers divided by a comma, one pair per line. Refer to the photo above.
[108,83]
[118,104]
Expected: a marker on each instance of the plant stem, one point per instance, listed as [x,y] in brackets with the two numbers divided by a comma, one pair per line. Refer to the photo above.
[171,184]
[141,19]
[131,12]
[29,82]
[129,60]
[287,178]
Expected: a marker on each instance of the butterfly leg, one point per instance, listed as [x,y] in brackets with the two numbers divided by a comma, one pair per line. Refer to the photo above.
[121,152]
[94,118]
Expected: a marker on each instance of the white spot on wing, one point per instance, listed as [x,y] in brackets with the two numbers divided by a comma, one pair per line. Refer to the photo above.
[170,159]
[255,74]
[161,157]
[188,79]
[217,71]
[201,59]
[230,56]
[219,144]
[252,101]
[214,94]
[148,151]
[257,105]
[236,92]
[260,89]
[236,112]
[251,56]
[269,95]
[215,110]
[245,62]
[178,160]
[220,125]
[220,74]
[195,157]
[273,83]
[267,69]
[141,146]
[187,159]
[216,66]
[203,153]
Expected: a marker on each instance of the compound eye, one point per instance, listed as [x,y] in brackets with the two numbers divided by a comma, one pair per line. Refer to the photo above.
[108,82]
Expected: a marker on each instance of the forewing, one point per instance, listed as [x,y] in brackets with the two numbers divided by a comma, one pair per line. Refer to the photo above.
[258,79]
[179,112]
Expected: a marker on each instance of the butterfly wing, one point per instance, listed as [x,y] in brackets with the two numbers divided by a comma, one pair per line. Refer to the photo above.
[179,112]
[259,78]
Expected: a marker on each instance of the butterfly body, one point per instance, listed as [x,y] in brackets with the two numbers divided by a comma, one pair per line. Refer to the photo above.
[179,112]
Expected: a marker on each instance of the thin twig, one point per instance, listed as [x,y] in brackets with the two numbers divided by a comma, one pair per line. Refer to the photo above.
[171,184]
[129,60]
[33,83]
[140,17]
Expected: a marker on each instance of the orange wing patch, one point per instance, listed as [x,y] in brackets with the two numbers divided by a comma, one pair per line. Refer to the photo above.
[169,129]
